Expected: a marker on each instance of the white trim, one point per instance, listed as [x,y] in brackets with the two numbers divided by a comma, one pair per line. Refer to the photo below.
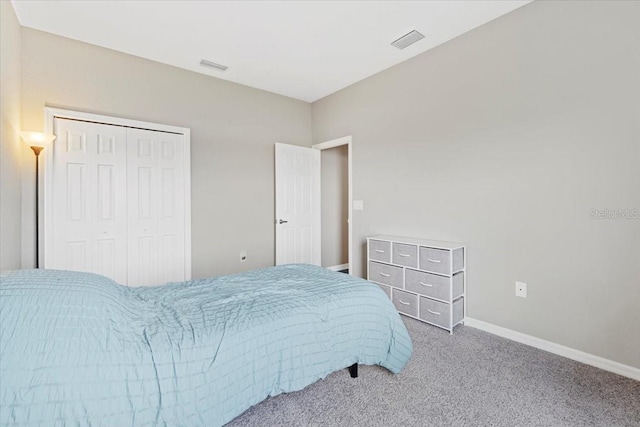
[50,114]
[338,267]
[110,120]
[333,143]
[345,140]
[560,350]
[187,207]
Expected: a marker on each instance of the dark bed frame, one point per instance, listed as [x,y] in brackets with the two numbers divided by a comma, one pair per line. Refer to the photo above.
[353,370]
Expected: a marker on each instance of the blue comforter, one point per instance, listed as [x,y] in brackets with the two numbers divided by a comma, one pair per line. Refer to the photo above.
[77,348]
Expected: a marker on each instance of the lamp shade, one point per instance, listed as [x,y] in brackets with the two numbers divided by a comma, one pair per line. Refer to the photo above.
[37,139]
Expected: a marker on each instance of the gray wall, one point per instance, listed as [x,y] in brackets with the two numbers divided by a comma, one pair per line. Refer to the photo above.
[335,203]
[233,131]
[505,139]
[10,144]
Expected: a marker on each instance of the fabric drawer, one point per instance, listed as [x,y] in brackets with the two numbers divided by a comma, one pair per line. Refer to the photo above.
[380,250]
[385,274]
[406,255]
[428,284]
[405,302]
[458,259]
[458,310]
[435,260]
[386,289]
[458,285]
[435,312]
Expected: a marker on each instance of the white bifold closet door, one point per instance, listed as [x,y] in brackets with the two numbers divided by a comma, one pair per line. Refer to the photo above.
[89,221]
[118,202]
[155,214]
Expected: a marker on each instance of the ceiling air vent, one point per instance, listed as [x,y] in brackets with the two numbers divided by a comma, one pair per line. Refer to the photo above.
[210,64]
[407,40]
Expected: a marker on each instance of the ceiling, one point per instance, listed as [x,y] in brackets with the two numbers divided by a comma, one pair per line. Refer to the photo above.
[301,49]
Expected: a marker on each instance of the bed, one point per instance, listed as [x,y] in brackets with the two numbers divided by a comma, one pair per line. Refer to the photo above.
[77,348]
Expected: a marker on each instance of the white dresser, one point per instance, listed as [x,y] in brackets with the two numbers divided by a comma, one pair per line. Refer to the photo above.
[425,279]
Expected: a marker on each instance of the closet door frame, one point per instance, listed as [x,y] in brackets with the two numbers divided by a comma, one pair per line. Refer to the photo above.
[45,203]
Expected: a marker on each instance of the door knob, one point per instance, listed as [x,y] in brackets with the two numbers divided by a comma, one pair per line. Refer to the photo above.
[282,221]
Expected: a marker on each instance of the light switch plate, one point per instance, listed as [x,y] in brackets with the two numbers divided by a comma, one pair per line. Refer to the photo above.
[358,205]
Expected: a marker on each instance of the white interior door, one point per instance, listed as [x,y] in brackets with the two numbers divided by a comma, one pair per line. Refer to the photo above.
[89,222]
[298,236]
[156,208]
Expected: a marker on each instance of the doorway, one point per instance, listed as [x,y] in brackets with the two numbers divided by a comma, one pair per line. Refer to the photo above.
[336,204]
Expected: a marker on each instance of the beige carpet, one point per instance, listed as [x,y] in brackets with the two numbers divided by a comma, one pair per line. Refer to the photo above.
[470,378]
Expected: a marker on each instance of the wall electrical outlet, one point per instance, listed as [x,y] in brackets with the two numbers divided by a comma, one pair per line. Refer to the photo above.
[521,289]
[243,256]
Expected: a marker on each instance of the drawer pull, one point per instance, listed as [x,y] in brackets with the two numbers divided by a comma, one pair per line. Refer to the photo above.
[426,284]
[380,251]
[385,275]
[404,255]
[404,303]
[433,260]
[434,312]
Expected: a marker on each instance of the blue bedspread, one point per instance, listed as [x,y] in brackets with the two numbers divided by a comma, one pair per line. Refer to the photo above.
[79,349]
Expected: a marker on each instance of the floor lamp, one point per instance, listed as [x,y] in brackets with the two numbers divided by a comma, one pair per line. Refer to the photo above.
[37,141]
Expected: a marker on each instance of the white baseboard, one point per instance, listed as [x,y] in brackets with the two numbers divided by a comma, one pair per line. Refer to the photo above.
[338,267]
[570,353]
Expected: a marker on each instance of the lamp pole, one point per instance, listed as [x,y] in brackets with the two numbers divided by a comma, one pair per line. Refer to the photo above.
[37,141]
[37,151]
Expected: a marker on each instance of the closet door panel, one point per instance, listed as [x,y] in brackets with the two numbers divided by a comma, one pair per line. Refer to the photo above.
[172,209]
[88,186]
[142,200]
[155,195]
[110,232]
